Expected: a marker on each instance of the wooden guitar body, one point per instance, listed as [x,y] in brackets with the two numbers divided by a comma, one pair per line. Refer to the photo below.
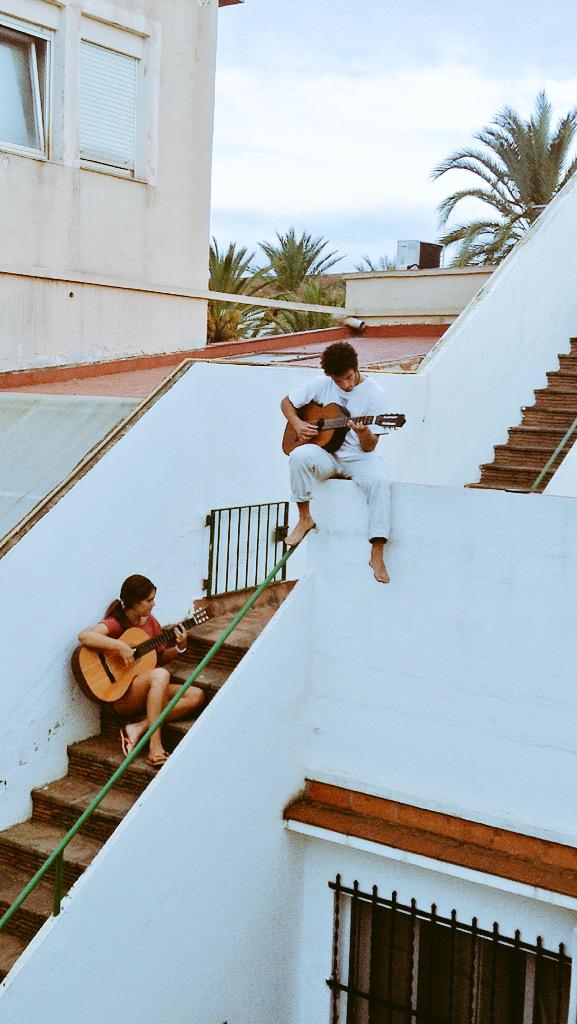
[330,440]
[102,675]
[333,422]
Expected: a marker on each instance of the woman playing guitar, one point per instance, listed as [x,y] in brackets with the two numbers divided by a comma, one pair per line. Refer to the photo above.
[151,690]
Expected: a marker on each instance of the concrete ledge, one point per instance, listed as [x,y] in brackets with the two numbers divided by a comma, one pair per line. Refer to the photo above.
[495,851]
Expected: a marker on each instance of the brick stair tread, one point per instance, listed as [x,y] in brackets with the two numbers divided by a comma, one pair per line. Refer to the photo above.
[11,948]
[245,633]
[541,406]
[484,486]
[13,881]
[77,792]
[107,752]
[42,838]
[211,678]
[502,467]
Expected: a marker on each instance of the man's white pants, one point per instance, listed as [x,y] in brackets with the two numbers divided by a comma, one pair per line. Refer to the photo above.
[309,462]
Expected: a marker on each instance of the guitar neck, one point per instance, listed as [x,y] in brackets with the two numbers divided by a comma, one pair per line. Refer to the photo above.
[346,421]
[163,639]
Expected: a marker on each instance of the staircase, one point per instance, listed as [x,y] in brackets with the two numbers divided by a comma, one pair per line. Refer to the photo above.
[57,806]
[518,463]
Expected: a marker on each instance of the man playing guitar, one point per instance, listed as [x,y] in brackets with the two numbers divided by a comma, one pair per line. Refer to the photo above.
[356,458]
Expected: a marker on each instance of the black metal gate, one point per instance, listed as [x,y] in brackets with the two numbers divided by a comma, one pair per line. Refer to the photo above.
[245,543]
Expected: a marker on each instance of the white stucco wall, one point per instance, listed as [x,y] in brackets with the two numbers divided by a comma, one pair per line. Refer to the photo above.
[324,860]
[415,296]
[564,481]
[453,687]
[200,886]
[212,441]
[489,362]
[151,231]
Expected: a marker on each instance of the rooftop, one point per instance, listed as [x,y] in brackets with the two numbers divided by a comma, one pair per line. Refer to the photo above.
[397,348]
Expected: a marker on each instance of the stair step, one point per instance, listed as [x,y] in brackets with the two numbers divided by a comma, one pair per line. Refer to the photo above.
[566,375]
[558,397]
[210,680]
[549,416]
[568,360]
[537,438]
[99,757]
[11,948]
[525,457]
[511,476]
[26,847]
[62,802]
[35,910]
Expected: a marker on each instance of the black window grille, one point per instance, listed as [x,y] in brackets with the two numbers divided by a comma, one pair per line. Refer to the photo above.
[396,964]
[246,541]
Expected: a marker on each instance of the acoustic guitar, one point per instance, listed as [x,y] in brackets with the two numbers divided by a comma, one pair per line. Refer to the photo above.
[103,676]
[333,422]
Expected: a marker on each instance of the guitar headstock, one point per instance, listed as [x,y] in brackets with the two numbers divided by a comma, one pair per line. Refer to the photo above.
[200,615]
[391,420]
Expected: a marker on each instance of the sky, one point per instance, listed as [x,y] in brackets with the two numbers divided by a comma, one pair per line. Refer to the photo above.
[331,114]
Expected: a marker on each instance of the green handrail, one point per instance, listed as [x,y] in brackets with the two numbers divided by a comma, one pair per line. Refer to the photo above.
[57,855]
[552,458]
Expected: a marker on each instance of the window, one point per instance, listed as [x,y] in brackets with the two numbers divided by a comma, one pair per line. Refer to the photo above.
[108,106]
[403,965]
[24,90]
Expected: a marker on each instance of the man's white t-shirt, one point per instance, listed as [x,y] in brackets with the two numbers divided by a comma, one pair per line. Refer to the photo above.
[366,399]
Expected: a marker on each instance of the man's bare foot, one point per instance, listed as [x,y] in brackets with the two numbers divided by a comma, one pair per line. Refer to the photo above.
[303,526]
[379,568]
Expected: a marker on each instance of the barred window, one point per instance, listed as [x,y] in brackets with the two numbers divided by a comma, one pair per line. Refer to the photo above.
[396,964]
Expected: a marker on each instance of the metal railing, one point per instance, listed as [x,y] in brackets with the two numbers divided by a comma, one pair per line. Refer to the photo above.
[56,858]
[551,460]
[244,541]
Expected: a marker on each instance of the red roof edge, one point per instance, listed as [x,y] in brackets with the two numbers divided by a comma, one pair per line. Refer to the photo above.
[10,379]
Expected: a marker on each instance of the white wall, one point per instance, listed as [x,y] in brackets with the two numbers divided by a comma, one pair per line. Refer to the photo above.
[454,686]
[213,440]
[414,296]
[564,481]
[149,231]
[487,365]
[53,323]
[200,882]
[324,860]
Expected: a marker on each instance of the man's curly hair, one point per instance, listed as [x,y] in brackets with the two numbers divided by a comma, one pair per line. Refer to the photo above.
[338,358]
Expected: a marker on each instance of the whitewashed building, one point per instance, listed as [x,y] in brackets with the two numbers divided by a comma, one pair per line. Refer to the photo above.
[374,820]
[106,121]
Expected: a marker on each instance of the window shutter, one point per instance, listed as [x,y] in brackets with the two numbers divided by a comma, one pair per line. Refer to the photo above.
[107,106]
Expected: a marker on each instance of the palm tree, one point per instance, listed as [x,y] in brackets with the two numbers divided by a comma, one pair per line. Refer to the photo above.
[523,165]
[383,263]
[232,271]
[316,292]
[294,259]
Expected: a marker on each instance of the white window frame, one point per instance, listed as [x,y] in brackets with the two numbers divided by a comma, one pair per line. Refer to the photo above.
[41,89]
[133,35]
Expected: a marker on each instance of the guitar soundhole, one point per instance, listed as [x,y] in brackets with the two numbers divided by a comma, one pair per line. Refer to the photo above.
[106,666]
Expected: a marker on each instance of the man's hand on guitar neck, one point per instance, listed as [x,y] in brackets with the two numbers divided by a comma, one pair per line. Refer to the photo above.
[367,439]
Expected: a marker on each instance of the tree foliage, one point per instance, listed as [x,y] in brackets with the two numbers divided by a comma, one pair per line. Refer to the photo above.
[521,167]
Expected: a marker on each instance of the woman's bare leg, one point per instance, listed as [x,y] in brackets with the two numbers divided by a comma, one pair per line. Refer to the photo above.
[188,705]
[148,693]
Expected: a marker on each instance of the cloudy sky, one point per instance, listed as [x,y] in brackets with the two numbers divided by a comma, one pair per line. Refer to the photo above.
[330,114]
